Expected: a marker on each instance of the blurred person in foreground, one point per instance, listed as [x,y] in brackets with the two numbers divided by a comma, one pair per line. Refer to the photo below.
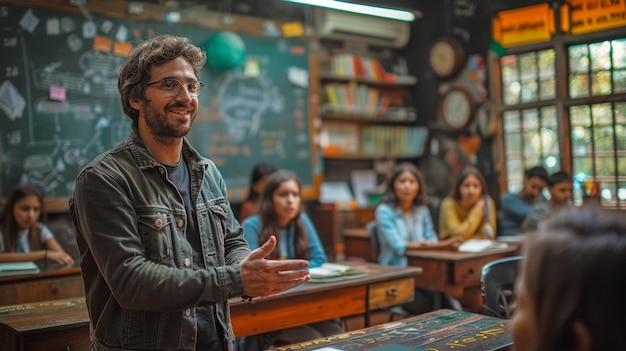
[572,283]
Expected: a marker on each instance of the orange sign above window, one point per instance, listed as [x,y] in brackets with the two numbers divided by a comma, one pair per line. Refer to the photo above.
[525,25]
[585,16]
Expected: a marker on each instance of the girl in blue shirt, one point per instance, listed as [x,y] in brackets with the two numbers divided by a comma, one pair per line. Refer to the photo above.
[280,213]
[22,236]
[403,222]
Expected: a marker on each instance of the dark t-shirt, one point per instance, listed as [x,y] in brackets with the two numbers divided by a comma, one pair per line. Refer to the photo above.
[208,336]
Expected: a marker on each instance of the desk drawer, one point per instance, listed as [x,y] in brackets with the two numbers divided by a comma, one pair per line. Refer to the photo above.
[467,272]
[391,293]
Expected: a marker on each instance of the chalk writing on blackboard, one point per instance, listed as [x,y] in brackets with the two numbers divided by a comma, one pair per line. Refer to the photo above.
[464,8]
[60,108]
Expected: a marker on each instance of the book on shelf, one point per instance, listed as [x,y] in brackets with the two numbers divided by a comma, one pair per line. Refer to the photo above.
[18,268]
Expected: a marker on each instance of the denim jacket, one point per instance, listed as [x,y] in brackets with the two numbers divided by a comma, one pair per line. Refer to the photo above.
[130,225]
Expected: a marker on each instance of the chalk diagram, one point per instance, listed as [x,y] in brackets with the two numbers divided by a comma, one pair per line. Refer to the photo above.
[244,101]
[60,137]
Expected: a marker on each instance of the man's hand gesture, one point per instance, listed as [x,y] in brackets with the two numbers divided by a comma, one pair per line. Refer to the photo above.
[263,277]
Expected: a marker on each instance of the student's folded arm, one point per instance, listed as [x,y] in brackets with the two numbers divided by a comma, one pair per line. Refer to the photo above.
[451,225]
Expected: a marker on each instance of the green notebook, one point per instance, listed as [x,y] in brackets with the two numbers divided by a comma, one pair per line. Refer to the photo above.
[17,268]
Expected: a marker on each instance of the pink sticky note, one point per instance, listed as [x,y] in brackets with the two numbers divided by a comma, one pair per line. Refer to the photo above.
[57,93]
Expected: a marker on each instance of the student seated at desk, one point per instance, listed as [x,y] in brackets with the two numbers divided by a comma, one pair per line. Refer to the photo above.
[403,222]
[22,236]
[572,286]
[560,188]
[259,175]
[468,212]
[516,206]
[280,214]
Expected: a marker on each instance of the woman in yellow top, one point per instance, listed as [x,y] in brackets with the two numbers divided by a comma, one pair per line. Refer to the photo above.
[468,212]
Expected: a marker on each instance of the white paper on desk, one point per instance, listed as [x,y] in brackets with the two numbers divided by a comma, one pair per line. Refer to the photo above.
[478,245]
[363,182]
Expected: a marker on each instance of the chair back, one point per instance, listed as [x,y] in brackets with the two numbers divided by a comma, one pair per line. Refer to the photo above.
[497,283]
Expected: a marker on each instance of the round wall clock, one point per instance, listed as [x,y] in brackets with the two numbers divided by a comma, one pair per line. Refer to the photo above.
[446,57]
[457,108]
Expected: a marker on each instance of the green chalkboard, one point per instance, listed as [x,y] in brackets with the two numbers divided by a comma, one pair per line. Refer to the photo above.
[255,112]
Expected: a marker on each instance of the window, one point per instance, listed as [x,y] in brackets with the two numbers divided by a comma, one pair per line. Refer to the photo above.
[595,106]
[598,130]
[530,134]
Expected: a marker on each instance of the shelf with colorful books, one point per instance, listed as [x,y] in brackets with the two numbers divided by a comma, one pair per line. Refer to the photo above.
[358,100]
[369,70]
[365,114]
[352,141]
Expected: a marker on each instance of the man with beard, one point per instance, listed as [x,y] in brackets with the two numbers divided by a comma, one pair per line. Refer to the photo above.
[161,251]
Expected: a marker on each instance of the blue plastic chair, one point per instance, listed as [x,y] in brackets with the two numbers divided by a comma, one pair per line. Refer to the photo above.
[497,284]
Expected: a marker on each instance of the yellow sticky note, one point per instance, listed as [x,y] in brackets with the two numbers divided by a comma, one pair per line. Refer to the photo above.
[293,29]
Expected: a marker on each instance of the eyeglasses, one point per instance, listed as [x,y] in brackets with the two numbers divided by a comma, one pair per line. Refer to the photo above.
[173,86]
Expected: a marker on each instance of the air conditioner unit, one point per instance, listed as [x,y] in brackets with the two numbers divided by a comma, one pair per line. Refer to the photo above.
[362,28]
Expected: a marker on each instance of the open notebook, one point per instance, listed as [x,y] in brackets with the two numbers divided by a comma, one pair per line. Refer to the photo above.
[330,272]
[16,268]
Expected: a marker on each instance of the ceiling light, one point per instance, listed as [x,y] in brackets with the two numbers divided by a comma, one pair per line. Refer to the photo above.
[400,15]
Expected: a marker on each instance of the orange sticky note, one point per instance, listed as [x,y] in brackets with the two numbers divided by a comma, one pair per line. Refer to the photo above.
[121,49]
[101,43]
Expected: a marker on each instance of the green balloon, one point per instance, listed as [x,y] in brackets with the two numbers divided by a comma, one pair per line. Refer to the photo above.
[225,50]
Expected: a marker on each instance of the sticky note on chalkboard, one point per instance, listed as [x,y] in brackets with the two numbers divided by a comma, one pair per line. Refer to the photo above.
[56,93]
[298,76]
[293,29]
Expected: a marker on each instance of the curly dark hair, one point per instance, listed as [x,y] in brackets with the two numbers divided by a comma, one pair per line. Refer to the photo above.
[136,71]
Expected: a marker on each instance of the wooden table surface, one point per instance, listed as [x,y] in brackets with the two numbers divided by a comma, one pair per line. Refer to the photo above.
[383,286]
[455,273]
[56,324]
[51,283]
[436,331]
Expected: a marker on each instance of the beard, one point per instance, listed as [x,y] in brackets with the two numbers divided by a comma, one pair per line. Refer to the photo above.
[161,128]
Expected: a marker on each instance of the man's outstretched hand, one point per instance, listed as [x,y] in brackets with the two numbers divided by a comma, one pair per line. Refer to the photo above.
[263,277]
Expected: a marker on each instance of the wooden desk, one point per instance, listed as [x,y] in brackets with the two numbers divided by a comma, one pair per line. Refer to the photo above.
[384,286]
[439,330]
[54,325]
[45,326]
[52,283]
[455,273]
[357,244]
[330,222]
